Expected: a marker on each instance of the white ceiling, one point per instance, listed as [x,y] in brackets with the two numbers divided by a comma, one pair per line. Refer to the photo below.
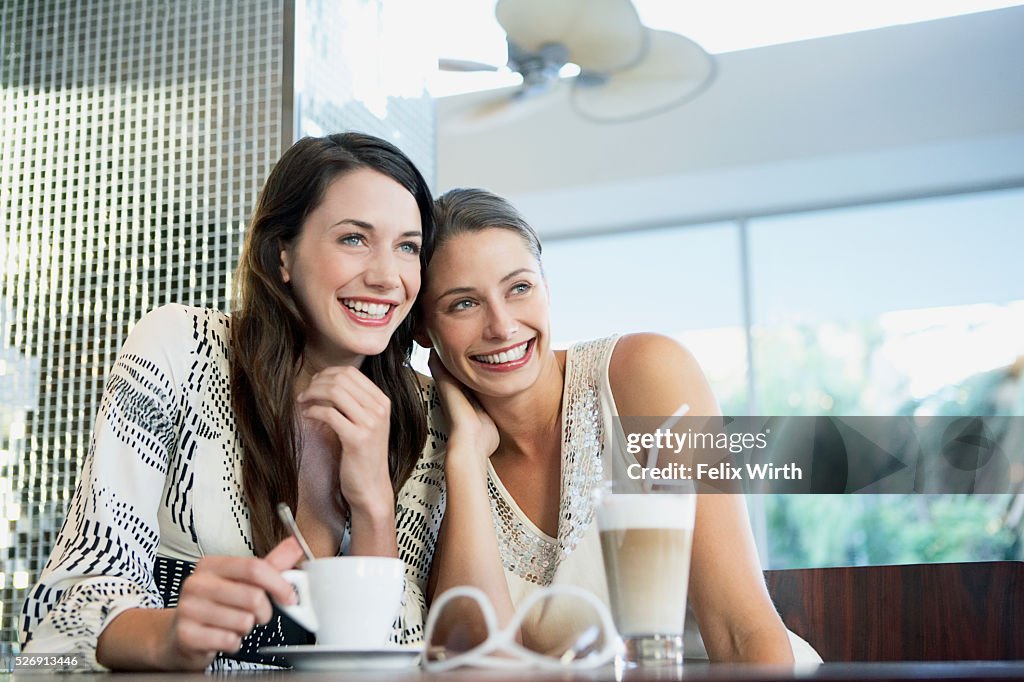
[900,111]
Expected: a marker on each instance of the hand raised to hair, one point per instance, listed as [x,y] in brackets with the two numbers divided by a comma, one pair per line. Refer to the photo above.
[471,429]
[221,602]
[357,411]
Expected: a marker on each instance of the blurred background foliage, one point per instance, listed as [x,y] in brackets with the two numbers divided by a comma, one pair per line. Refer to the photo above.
[862,369]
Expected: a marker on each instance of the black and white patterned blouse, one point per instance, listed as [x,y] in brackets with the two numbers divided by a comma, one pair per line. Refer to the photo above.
[162,487]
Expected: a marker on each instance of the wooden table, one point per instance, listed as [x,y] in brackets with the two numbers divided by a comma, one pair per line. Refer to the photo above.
[698,672]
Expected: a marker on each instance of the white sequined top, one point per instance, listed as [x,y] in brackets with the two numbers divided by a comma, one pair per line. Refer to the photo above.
[532,558]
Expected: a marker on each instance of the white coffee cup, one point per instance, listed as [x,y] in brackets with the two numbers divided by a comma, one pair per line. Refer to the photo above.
[349,601]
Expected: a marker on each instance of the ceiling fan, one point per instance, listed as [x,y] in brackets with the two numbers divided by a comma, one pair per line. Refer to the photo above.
[626,70]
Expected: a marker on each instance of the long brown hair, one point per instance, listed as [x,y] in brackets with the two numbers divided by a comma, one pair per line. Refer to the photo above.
[268,332]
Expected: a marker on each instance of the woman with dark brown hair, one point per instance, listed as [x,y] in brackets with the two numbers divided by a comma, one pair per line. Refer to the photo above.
[172,550]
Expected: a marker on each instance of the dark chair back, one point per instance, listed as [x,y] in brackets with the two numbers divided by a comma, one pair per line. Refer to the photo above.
[917,612]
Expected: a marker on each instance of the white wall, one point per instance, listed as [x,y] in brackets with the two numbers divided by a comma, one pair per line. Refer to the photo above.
[905,111]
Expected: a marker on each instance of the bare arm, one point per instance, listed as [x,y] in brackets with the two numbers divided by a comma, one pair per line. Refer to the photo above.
[467,548]
[737,618]
[652,375]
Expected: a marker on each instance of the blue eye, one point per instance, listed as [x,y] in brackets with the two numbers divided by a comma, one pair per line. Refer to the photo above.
[354,239]
[411,248]
[521,288]
[463,304]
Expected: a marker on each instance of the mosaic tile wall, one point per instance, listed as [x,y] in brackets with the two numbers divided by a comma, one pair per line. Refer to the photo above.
[135,136]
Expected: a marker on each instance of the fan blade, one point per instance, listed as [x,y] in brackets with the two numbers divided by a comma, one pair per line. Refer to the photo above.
[674,71]
[532,23]
[600,35]
[493,112]
[607,37]
[463,65]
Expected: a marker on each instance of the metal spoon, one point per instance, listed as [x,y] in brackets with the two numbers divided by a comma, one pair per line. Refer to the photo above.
[285,513]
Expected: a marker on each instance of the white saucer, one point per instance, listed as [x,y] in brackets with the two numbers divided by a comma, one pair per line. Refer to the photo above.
[315,657]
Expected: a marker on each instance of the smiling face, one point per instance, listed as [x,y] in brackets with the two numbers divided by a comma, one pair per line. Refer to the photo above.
[486,311]
[354,268]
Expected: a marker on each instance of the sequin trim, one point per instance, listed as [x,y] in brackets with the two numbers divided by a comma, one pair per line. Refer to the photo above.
[533,557]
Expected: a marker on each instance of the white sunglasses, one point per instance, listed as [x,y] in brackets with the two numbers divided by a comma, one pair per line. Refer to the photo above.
[460,642]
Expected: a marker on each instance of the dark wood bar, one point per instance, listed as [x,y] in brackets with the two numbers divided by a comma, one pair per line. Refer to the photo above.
[918,612]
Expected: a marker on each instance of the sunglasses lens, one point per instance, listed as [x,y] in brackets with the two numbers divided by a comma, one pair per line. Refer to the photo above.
[460,627]
[566,627]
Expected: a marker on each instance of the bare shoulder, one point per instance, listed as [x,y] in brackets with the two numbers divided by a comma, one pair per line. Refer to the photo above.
[653,374]
[650,358]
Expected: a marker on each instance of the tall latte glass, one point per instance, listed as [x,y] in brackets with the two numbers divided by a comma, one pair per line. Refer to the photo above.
[646,540]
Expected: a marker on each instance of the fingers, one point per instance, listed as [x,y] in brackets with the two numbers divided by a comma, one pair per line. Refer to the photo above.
[349,392]
[285,555]
[449,388]
[458,403]
[216,612]
[212,600]
[469,424]
[256,574]
[336,385]
[226,597]
[198,639]
[353,407]
[348,432]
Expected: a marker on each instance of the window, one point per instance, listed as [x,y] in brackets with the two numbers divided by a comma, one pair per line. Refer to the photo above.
[683,282]
[912,307]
